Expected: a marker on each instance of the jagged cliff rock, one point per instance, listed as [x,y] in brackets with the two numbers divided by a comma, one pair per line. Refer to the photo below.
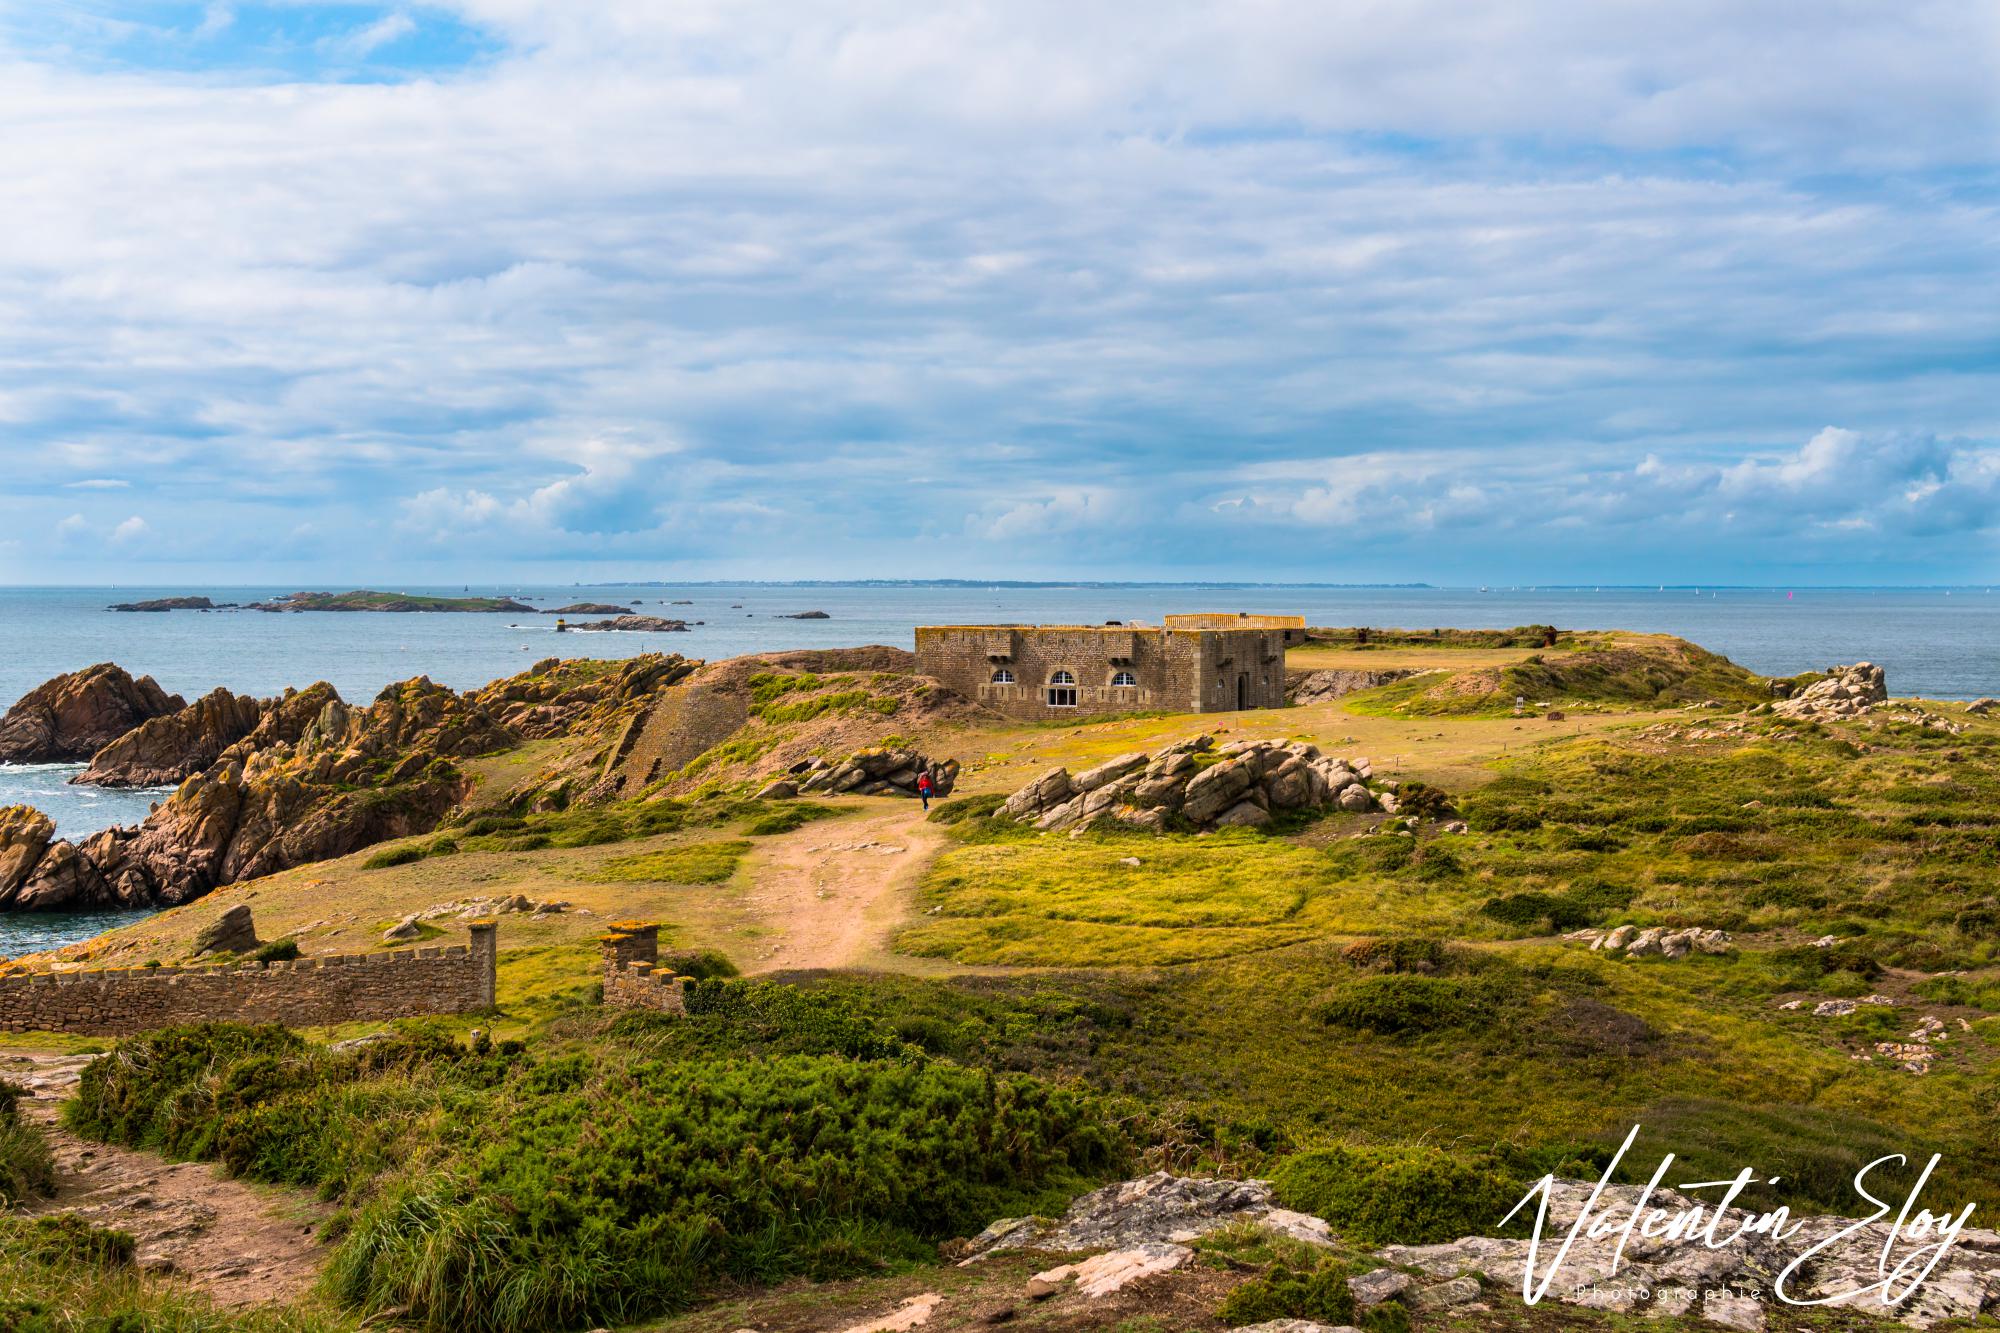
[68,719]
[315,778]
[561,698]
[175,746]
[24,835]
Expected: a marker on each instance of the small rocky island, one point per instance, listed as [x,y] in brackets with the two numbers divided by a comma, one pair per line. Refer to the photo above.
[588,609]
[173,604]
[632,625]
[385,601]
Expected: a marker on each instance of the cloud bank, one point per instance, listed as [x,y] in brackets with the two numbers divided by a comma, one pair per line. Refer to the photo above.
[1353,291]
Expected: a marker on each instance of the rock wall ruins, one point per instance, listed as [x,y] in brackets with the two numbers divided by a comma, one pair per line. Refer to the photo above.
[633,978]
[304,992]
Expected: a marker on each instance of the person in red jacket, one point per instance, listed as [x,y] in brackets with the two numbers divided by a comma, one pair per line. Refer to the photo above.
[924,788]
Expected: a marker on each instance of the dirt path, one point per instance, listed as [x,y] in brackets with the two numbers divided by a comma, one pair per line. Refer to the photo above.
[243,1244]
[832,894]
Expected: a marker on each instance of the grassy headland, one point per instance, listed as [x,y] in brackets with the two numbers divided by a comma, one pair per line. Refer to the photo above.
[1316,1000]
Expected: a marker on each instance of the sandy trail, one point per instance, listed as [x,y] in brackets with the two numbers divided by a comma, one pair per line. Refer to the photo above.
[242,1244]
[832,894]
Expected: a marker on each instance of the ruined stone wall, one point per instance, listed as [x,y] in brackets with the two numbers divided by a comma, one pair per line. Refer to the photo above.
[303,992]
[633,978]
[1236,620]
[1175,670]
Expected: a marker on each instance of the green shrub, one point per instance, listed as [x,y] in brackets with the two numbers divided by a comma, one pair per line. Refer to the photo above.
[634,1196]
[1397,1195]
[27,1167]
[277,951]
[64,1239]
[1394,1003]
[701,964]
[1320,1295]
[396,856]
[610,1183]
[961,808]
[1392,953]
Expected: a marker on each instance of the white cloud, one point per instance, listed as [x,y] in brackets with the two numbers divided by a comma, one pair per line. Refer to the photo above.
[1410,267]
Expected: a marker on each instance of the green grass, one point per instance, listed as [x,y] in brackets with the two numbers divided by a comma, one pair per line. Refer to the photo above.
[1627,673]
[61,1275]
[694,863]
[27,1167]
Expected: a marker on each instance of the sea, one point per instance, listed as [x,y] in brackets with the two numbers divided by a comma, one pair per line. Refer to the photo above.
[1940,643]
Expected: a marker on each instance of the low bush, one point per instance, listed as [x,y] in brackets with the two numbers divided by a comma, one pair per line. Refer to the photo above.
[276,951]
[27,1167]
[609,1184]
[961,808]
[64,1239]
[701,964]
[1399,1003]
[396,856]
[1318,1294]
[1397,1195]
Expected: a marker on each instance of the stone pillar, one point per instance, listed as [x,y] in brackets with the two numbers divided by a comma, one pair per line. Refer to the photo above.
[630,942]
[485,948]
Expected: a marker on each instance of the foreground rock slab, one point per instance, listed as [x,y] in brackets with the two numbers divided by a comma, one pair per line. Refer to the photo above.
[1155,1209]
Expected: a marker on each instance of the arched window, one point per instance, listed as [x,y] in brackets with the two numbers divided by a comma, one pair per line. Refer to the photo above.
[1062,678]
[1062,690]
[1125,680]
[1003,677]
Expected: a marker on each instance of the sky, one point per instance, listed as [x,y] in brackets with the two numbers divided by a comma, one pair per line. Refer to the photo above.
[1321,290]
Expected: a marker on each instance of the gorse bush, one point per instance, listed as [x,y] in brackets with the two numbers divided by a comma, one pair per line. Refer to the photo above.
[27,1167]
[1402,1003]
[517,1192]
[1398,1195]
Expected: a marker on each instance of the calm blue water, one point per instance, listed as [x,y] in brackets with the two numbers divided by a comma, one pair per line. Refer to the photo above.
[1936,643]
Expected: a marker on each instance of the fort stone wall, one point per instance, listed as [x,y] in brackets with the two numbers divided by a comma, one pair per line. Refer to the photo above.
[302,992]
[633,978]
[1048,672]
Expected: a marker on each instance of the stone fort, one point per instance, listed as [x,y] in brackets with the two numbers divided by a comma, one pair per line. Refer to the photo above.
[1207,663]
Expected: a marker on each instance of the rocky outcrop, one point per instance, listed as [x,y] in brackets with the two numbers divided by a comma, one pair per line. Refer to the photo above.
[25,834]
[1657,1275]
[634,625]
[68,719]
[1244,783]
[1155,1209]
[1318,687]
[556,697]
[232,932]
[807,615]
[588,609]
[1848,691]
[889,771]
[169,749]
[1654,941]
[314,779]
[1662,1276]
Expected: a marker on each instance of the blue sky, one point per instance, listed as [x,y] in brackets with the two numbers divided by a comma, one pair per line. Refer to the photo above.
[1700,292]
